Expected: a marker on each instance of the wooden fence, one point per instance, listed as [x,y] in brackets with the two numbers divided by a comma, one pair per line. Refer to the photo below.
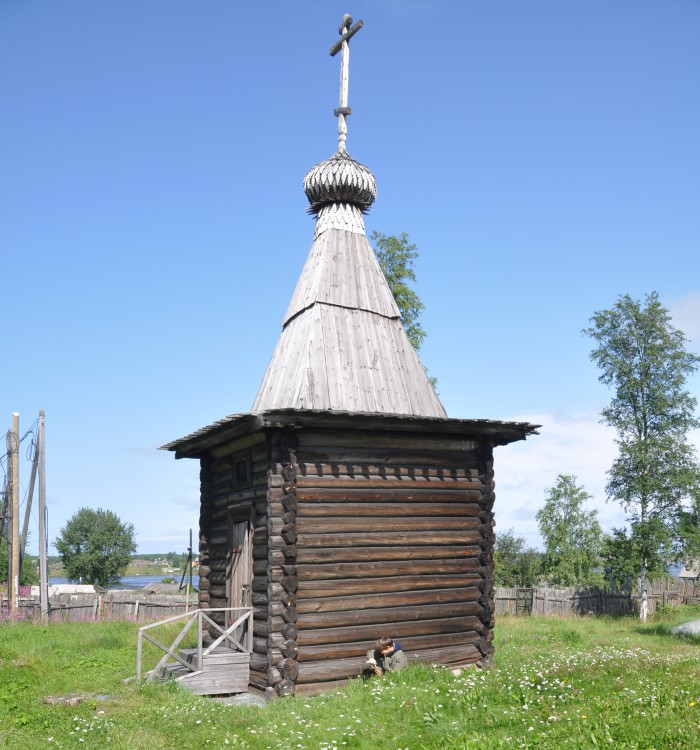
[118,605]
[576,600]
[591,600]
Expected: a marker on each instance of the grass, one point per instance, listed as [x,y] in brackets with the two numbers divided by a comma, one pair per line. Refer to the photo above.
[573,683]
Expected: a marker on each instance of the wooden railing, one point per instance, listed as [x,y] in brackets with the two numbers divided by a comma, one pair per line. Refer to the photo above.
[198,616]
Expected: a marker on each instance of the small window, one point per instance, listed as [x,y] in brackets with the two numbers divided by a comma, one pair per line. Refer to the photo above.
[242,476]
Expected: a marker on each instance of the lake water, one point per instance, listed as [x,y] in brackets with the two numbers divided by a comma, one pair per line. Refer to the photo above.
[134,582]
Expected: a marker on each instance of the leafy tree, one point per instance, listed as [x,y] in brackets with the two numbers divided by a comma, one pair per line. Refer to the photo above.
[396,256]
[642,357]
[95,546]
[621,554]
[28,577]
[514,564]
[572,535]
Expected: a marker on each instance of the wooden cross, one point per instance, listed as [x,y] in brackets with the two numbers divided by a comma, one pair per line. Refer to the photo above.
[343,110]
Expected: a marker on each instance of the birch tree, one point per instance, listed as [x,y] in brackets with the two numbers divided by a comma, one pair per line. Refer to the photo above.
[656,476]
[396,256]
[571,534]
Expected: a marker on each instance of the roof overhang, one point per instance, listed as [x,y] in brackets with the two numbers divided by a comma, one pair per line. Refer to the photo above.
[239,425]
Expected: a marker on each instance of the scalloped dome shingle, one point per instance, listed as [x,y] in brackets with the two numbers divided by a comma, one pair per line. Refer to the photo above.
[340,179]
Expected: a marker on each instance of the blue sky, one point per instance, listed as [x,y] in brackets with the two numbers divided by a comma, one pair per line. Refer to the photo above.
[543,156]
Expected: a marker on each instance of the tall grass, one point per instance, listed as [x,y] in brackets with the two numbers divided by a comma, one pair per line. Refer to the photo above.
[570,683]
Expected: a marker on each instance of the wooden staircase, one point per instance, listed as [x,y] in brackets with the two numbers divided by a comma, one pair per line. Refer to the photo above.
[220,669]
[223,672]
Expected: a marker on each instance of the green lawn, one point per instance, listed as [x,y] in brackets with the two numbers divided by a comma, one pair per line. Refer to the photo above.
[575,683]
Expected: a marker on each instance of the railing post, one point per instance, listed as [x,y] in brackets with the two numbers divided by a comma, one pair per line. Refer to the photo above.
[199,639]
[139,647]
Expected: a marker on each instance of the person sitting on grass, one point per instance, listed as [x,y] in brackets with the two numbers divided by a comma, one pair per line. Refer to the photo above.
[386,656]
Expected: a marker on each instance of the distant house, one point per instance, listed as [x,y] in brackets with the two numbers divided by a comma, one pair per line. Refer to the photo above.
[689,573]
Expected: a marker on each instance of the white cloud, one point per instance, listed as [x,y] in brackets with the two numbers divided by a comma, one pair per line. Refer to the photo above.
[567,444]
[686,316]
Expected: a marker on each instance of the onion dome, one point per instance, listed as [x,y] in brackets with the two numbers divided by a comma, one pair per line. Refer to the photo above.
[340,179]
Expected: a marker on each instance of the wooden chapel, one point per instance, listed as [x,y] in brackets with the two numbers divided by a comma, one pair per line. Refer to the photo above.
[347,505]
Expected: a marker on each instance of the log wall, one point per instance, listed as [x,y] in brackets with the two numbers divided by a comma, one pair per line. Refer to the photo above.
[221,496]
[393,537]
[357,533]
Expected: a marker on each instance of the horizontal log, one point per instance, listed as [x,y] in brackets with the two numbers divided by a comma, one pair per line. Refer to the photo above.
[358,648]
[383,600]
[369,554]
[420,458]
[282,555]
[219,487]
[239,444]
[360,494]
[217,537]
[261,613]
[217,552]
[345,587]
[398,538]
[312,689]
[260,598]
[395,509]
[267,627]
[259,662]
[386,524]
[260,536]
[260,584]
[335,669]
[258,681]
[382,568]
[386,615]
[225,464]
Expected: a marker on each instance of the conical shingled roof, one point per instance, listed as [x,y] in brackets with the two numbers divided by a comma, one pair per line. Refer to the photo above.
[343,347]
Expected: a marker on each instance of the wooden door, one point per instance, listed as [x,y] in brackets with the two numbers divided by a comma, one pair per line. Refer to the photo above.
[240,571]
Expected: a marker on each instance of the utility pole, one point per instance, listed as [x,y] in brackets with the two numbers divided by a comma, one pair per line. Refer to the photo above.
[7,517]
[43,567]
[28,510]
[14,593]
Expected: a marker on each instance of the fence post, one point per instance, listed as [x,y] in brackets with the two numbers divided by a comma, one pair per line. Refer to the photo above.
[139,646]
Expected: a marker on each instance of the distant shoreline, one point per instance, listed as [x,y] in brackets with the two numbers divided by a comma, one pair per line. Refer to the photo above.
[137,581]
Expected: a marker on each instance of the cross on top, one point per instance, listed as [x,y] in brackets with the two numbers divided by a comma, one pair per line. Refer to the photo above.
[343,110]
